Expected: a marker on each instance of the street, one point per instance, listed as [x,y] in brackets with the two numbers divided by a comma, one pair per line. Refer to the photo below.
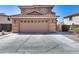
[38,44]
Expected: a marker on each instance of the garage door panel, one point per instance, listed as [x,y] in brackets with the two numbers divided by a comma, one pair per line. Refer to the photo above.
[33,27]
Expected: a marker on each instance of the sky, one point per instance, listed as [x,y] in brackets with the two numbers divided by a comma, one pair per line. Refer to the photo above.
[61,10]
[64,10]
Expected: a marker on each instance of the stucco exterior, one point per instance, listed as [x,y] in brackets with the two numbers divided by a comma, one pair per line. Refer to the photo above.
[5,23]
[37,18]
[4,20]
[74,20]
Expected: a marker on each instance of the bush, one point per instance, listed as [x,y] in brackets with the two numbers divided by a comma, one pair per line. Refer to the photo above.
[65,28]
[76,30]
[74,26]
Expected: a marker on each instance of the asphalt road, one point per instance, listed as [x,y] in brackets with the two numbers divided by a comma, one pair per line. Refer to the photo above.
[38,44]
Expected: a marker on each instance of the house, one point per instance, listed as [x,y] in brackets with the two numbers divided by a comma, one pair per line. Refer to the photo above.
[36,18]
[5,23]
[72,19]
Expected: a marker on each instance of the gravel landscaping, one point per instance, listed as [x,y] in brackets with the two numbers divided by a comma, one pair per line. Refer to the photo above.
[72,36]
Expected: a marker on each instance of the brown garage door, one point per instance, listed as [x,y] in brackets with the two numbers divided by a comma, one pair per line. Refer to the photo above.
[33,27]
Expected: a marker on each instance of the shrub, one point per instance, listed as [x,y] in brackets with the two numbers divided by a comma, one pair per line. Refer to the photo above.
[74,26]
[65,28]
[76,30]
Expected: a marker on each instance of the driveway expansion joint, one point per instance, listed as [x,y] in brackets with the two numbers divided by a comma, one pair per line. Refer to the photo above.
[22,44]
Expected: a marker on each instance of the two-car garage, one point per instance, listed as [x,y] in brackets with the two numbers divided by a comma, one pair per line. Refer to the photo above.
[34,25]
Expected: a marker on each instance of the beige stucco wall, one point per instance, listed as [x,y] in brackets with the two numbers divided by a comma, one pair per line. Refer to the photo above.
[52,25]
[46,11]
[15,26]
[34,27]
[4,20]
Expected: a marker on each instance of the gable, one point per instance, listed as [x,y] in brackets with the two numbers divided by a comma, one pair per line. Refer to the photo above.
[34,13]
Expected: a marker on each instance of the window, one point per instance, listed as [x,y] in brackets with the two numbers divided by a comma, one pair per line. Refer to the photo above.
[39,21]
[42,21]
[21,21]
[70,18]
[46,21]
[31,21]
[8,19]
[24,21]
[28,21]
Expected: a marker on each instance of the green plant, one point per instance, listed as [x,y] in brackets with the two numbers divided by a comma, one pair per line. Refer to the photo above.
[74,26]
[76,30]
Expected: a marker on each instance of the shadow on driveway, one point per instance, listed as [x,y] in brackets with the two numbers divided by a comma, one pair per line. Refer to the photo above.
[53,33]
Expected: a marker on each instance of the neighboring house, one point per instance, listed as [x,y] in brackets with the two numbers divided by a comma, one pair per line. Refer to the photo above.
[36,18]
[72,19]
[5,23]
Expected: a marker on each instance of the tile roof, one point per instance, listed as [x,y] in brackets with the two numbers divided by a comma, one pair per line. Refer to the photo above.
[76,14]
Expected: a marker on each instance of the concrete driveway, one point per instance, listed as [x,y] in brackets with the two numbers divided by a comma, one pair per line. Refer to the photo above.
[38,44]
